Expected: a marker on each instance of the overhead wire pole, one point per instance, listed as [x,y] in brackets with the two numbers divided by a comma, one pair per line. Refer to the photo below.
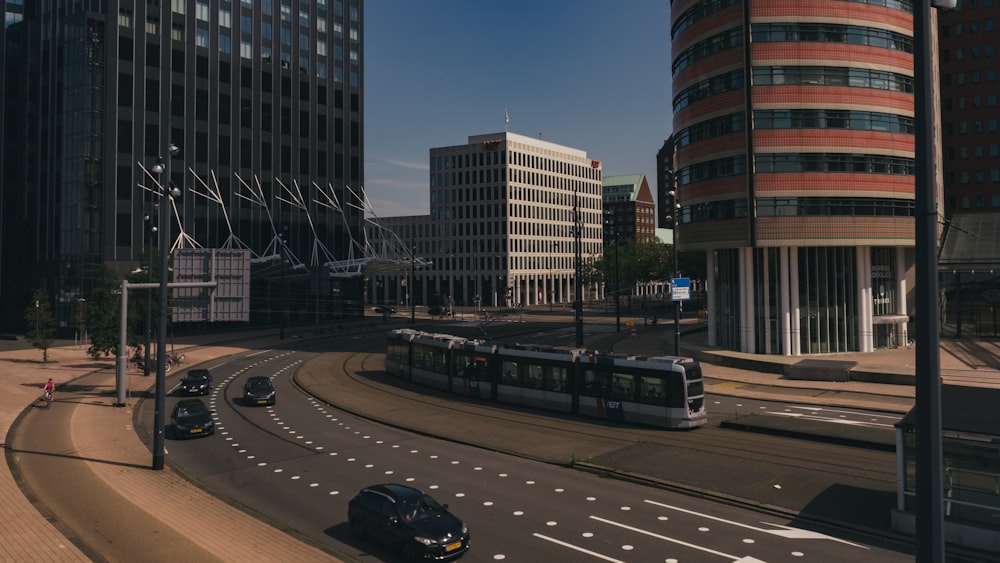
[929,484]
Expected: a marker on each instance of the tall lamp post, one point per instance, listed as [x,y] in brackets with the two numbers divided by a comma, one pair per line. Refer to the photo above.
[151,230]
[675,206]
[410,288]
[578,266]
[552,275]
[929,479]
[284,284]
[613,225]
[167,191]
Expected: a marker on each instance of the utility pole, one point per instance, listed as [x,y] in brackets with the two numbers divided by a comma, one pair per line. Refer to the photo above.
[929,481]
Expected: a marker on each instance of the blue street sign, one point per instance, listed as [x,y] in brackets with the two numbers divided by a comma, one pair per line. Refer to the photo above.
[680,289]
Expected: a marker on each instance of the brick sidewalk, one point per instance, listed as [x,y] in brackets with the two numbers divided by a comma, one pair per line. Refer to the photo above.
[26,534]
[132,512]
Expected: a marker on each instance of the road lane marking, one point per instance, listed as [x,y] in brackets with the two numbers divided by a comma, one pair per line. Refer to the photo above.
[786,531]
[674,540]
[577,548]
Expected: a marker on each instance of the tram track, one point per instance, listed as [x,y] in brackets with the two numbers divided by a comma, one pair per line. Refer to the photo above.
[600,440]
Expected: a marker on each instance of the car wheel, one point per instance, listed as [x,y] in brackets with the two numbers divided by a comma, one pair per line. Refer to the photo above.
[358,528]
[410,554]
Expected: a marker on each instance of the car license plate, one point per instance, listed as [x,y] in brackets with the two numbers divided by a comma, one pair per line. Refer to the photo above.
[453,546]
[195,430]
[261,401]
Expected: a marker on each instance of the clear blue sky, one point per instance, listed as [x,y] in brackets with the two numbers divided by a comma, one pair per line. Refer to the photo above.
[589,74]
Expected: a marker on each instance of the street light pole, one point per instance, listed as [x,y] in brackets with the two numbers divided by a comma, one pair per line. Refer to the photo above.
[618,277]
[577,227]
[284,285]
[929,479]
[167,191]
[150,229]
[552,275]
[677,269]
[611,224]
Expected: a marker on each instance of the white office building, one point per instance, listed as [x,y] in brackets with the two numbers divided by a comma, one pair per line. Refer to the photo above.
[502,229]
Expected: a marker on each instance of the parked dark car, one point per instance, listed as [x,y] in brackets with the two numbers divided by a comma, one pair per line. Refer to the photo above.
[410,520]
[258,390]
[191,417]
[196,382]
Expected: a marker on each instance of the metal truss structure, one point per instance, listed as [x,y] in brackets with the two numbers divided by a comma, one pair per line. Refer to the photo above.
[385,251]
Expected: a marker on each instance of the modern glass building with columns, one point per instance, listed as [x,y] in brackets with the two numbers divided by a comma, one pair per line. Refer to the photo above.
[257,94]
[504,211]
[794,140]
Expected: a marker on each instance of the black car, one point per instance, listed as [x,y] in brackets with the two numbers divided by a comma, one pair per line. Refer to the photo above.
[406,518]
[191,417]
[258,390]
[196,382]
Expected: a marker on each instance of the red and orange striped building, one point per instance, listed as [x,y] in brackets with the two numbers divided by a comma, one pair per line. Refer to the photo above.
[794,149]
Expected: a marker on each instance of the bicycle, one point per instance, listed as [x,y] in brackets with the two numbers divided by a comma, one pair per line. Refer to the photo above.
[47,398]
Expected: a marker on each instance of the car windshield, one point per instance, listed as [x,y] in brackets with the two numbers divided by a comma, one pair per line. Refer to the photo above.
[259,384]
[195,379]
[419,509]
[190,411]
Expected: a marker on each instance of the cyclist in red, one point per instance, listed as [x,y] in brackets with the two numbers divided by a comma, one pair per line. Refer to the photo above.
[50,388]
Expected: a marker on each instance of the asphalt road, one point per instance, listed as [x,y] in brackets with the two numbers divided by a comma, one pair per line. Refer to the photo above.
[298,463]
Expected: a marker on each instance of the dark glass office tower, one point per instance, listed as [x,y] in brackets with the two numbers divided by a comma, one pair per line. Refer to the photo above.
[261,96]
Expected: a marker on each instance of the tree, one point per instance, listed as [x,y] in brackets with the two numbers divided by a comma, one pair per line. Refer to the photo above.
[105,318]
[104,321]
[41,322]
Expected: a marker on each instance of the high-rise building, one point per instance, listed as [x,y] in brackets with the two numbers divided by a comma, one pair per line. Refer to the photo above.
[260,96]
[629,209]
[969,110]
[969,260]
[794,139]
[505,210]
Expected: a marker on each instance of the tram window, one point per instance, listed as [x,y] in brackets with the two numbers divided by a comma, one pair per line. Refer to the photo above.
[622,386]
[508,375]
[652,391]
[422,359]
[480,369]
[462,366]
[595,384]
[556,380]
[533,376]
[439,361]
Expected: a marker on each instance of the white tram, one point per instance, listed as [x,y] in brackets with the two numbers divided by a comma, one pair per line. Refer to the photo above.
[665,391]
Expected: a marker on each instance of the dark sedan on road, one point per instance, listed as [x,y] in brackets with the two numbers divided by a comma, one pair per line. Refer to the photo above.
[258,390]
[191,417]
[408,519]
[196,382]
